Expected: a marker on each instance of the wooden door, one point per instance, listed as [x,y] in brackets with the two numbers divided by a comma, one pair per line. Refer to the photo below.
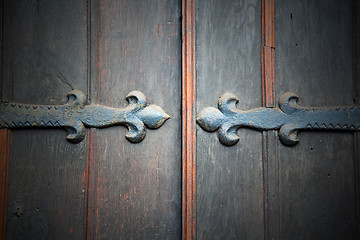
[103,187]
[179,182]
[259,188]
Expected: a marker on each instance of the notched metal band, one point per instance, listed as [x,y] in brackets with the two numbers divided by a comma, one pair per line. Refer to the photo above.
[75,115]
[289,119]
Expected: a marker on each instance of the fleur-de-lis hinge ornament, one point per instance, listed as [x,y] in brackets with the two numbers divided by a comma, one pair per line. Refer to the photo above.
[289,119]
[75,115]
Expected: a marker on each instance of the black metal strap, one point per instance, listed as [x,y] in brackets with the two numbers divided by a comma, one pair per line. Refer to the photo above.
[75,115]
[289,119]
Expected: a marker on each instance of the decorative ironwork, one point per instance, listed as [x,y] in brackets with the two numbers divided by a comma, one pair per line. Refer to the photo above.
[75,115]
[289,119]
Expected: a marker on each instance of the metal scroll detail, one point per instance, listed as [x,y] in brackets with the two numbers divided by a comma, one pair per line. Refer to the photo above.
[289,119]
[75,115]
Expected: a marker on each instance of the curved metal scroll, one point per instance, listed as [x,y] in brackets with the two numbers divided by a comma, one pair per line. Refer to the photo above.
[75,115]
[289,119]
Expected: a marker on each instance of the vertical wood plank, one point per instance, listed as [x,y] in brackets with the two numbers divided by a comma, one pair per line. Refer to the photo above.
[229,180]
[5,139]
[314,58]
[269,141]
[139,185]
[271,185]
[267,53]
[5,135]
[45,51]
[357,179]
[92,175]
[188,121]
[356,48]
[92,163]
[356,75]
[6,52]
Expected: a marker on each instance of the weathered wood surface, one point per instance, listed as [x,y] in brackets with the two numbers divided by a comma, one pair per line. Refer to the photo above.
[108,188]
[229,179]
[138,192]
[314,58]
[188,120]
[5,136]
[267,53]
[356,47]
[45,57]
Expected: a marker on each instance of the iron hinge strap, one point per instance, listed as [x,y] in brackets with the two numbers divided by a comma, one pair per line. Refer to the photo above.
[289,119]
[75,115]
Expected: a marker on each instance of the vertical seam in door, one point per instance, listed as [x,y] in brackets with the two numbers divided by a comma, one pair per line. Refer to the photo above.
[269,144]
[5,138]
[265,183]
[92,163]
[188,121]
[5,134]
[92,176]
[88,216]
[356,76]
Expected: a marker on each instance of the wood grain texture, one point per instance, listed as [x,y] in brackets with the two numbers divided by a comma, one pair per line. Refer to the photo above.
[139,185]
[5,139]
[229,186]
[268,76]
[314,58]
[356,74]
[92,163]
[271,185]
[267,23]
[188,121]
[91,176]
[267,53]
[45,58]
[269,141]
[356,48]
[6,53]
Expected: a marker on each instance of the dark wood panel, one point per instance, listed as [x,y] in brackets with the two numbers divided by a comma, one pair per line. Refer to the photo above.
[45,57]
[356,46]
[139,185]
[92,165]
[229,179]
[5,139]
[314,58]
[46,188]
[5,136]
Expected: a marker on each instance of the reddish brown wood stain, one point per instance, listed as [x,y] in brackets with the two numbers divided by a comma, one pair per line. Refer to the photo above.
[188,121]
[268,76]
[267,53]
[270,162]
[4,173]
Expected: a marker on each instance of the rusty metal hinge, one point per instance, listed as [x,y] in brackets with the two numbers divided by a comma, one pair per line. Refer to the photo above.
[75,115]
[289,119]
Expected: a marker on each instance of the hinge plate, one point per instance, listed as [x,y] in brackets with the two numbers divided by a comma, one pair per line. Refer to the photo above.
[75,115]
[289,119]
